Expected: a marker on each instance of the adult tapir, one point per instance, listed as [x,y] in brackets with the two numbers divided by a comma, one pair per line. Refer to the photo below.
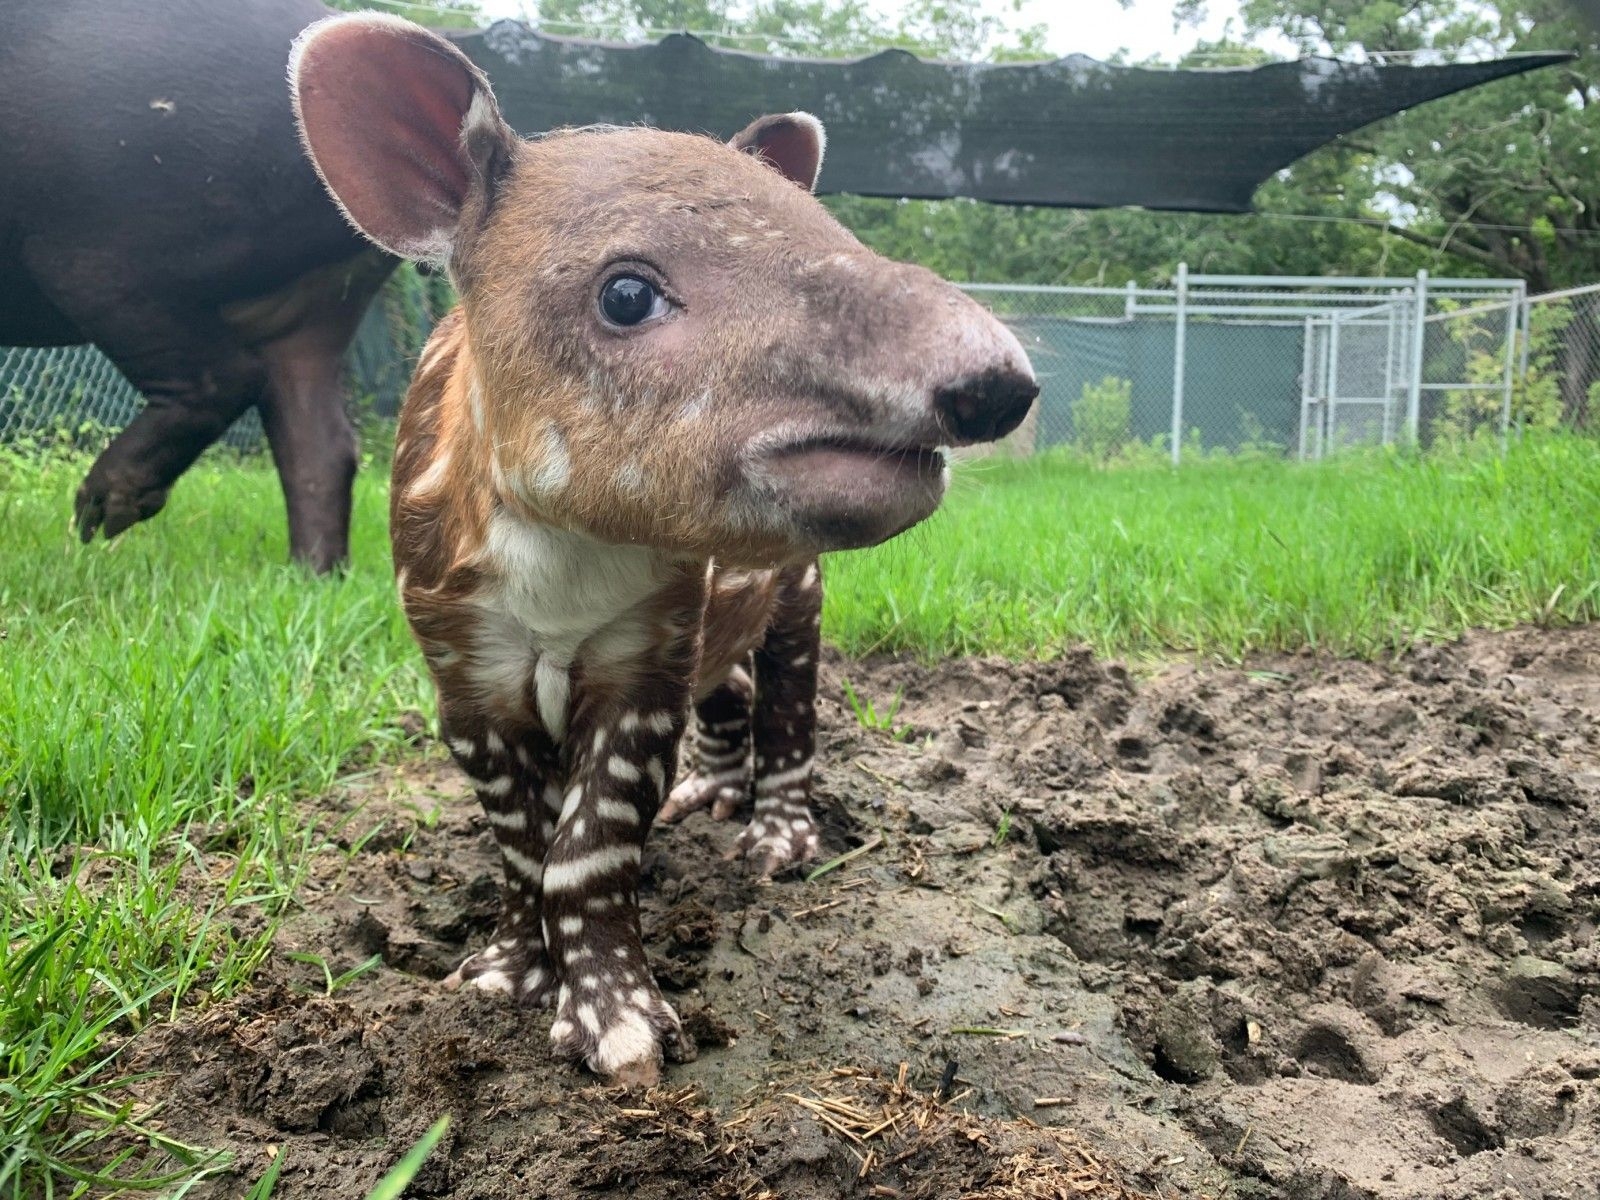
[154,200]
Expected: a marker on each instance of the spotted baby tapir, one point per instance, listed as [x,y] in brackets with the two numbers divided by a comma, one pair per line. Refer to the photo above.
[672,382]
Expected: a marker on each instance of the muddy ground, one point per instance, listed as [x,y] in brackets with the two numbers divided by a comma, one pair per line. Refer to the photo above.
[1308,929]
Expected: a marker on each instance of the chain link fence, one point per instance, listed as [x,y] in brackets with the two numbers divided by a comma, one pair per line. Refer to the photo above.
[1266,365]
[1292,367]
[1558,378]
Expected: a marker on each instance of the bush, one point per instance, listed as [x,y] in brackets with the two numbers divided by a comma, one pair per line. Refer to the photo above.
[1102,418]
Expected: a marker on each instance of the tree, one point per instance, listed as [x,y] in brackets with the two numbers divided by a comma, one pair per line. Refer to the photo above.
[1505,176]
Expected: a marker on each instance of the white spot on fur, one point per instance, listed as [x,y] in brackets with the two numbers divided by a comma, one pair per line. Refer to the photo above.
[498,786]
[630,1040]
[508,820]
[493,981]
[522,864]
[773,783]
[463,747]
[428,482]
[554,471]
[616,811]
[630,479]
[660,722]
[657,773]
[575,872]
[552,685]
[571,926]
[622,769]
[475,402]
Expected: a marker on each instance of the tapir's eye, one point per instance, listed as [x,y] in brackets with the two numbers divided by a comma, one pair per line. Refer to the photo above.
[629,300]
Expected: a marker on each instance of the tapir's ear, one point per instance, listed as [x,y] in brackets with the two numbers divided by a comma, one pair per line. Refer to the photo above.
[400,125]
[791,143]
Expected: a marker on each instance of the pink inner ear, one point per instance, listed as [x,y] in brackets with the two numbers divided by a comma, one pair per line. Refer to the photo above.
[793,148]
[382,112]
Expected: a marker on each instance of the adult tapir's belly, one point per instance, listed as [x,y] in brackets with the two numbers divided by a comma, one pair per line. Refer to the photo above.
[738,607]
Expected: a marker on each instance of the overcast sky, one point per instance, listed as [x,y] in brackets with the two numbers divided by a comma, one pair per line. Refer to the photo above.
[1098,28]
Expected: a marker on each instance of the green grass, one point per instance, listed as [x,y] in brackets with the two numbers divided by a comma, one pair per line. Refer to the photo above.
[167,699]
[1363,556]
[164,699]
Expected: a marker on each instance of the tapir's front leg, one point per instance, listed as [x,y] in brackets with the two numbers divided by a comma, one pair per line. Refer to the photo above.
[510,766]
[610,1013]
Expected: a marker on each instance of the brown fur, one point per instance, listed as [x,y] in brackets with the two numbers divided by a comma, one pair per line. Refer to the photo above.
[598,525]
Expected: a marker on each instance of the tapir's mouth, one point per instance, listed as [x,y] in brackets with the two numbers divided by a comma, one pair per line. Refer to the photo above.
[842,454]
[844,491]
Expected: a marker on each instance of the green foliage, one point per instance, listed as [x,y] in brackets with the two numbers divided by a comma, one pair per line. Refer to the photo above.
[955,29]
[164,700]
[391,1187]
[868,716]
[1102,418]
[437,14]
[1501,176]
[1364,554]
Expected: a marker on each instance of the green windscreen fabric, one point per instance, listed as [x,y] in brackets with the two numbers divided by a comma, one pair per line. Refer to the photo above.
[1071,133]
[1241,381]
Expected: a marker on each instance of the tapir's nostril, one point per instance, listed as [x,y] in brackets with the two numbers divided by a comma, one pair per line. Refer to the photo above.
[986,407]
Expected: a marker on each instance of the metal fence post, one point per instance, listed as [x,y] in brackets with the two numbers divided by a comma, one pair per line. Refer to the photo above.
[1307,387]
[1419,349]
[1179,351]
[1514,307]
[1130,305]
[1527,339]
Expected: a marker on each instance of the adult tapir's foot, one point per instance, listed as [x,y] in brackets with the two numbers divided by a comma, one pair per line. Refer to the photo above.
[515,966]
[111,501]
[617,1025]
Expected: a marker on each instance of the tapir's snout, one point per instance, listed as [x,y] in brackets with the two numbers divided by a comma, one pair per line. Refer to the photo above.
[908,364]
[986,406]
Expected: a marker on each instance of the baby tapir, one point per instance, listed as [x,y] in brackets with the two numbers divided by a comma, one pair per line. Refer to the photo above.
[672,382]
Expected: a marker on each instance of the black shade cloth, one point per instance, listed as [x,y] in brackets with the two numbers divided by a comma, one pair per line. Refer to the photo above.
[1071,133]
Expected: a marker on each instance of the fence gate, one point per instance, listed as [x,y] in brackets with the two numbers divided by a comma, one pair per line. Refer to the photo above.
[1355,378]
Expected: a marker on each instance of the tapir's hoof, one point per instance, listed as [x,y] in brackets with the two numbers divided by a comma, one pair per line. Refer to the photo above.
[511,967]
[724,797]
[619,1037]
[776,840]
[109,506]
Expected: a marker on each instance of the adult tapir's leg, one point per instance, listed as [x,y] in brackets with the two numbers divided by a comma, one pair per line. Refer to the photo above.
[313,444]
[312,439]
[197,378]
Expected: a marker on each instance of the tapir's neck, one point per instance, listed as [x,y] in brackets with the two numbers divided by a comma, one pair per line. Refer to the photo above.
[553,612]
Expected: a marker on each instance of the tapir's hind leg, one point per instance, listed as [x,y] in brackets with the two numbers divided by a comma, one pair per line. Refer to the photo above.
[313,442]
[782,830]
[720,754]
